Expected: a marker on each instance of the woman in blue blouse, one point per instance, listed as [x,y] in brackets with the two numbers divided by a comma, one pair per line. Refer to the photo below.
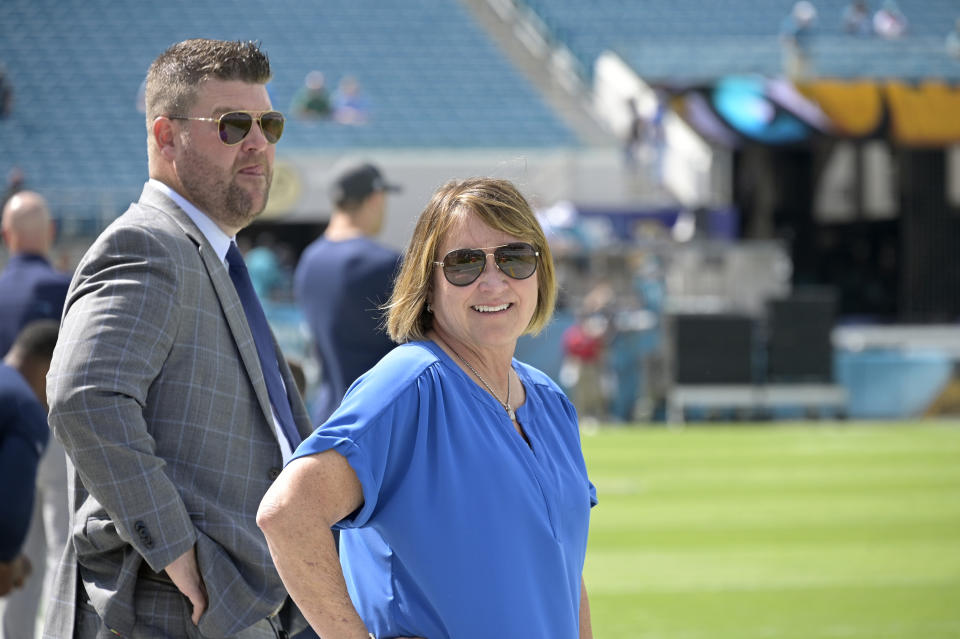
[453,470]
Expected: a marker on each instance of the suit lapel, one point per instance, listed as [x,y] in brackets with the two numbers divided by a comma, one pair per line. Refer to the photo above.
[226,294]
[237,320]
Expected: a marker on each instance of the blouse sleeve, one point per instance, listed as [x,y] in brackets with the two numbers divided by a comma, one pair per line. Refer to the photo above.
[378,428]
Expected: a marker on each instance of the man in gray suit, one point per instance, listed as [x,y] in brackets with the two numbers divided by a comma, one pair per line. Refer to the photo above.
[167,388]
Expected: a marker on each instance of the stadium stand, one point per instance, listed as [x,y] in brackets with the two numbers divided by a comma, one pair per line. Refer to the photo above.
[446,100]
[76,68]
[689,40]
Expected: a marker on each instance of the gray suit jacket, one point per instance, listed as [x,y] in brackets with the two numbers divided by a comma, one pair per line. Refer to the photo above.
[157,394]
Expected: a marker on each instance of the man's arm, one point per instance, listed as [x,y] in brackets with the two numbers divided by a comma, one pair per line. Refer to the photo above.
[184,572]
[19,459]
[13,573]
[26,435]
[118,330]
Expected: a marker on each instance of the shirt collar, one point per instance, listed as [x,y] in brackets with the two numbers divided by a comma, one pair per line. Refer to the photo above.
[219,240]
[28,257]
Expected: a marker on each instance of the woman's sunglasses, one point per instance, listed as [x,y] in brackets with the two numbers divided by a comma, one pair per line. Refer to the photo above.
[235,125]
[463,266]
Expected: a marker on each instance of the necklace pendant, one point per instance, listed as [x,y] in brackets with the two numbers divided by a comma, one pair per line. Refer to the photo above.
[511,414]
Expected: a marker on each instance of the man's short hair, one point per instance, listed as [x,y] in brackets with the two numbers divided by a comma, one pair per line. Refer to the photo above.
[175,75]
[37,340]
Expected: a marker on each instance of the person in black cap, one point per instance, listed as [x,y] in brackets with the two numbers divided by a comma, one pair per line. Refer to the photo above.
[340,282]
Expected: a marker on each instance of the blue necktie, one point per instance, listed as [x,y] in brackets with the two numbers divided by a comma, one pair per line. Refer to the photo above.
[264,341]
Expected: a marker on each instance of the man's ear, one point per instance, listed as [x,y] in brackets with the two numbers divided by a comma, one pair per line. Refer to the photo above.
[164,136]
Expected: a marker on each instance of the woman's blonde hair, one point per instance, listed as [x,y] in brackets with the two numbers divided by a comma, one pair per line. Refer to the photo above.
[499,205]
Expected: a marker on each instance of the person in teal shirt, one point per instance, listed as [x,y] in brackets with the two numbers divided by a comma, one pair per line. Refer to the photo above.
[453,470]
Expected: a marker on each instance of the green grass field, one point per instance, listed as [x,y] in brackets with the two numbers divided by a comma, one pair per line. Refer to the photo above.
[784,531]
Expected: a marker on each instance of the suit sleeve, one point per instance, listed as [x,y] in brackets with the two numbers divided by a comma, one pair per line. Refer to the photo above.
[119,325]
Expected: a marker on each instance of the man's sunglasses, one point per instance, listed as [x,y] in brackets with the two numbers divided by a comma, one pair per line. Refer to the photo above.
[235,125]
[462,267]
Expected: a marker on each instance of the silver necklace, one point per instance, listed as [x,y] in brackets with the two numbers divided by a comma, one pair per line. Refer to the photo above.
[506,404]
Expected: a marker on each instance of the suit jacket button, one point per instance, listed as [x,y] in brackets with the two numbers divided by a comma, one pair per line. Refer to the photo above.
[274,473]
[145,537]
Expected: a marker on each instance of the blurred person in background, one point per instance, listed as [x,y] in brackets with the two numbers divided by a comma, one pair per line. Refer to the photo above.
[633,141]
[656,138]
[454,471]
[16,182]
[167,387]
[263,263]
[953,40]
[23,437]
[312,101]
[349,104]
[585,353]
[341,282]
[796,34]
[31,289]
[625,358]
[889,22]
[856,19]
[6,93]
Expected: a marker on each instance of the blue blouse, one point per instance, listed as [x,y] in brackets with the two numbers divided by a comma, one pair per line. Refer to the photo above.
[466,531]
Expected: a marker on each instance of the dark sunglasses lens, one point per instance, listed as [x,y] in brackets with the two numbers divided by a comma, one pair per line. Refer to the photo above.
[463,266]
[234,127]
[272,124]
[519,261]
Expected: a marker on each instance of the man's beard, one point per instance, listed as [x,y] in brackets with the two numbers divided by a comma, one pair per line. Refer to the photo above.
[215,192]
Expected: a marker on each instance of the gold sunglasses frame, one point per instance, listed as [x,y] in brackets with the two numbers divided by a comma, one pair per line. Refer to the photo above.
[488,251]
[254,115]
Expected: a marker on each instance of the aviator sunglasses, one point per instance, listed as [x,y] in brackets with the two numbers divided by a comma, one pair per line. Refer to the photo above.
[235,125]
[463,266]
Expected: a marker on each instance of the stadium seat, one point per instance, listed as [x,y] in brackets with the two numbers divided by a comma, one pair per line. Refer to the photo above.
[432,83]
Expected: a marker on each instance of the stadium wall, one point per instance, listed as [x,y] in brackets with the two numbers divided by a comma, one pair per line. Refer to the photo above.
[594,178]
